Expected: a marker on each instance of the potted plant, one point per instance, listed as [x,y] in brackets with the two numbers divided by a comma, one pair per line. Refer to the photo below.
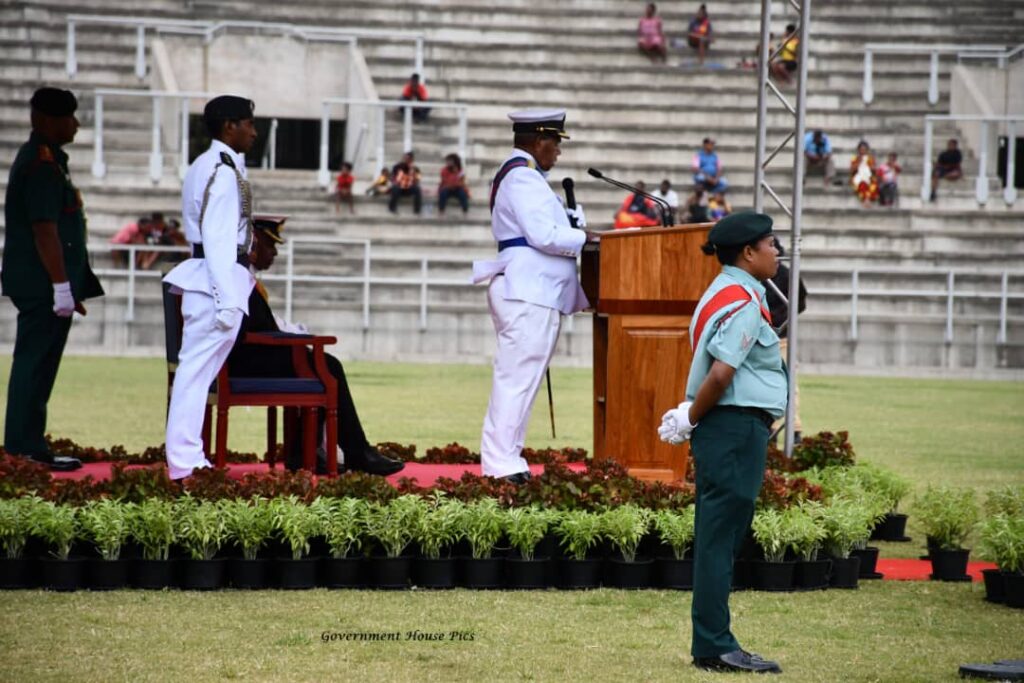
[297,524]
[846,522]
[392,526]
[1001,540]
[893,489]
[151,524]
[16,515]
[579,531]
[343,522]
[483,525]
[625,526]
[806,537]
[58,526]
[878,506]
[438,530]
[773,534]
[105,523]
[676,530]
[201,531]
[526,527]
[947,515]
[249,525]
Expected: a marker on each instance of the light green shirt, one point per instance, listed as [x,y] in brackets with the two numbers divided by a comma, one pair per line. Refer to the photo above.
[739,336]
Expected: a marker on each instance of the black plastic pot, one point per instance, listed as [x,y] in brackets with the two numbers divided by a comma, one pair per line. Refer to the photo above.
[434,574]
[202,575]
[341,572]
[523,574]
[579,574]
[741,574]
[950,565]
[152,574]
[297,574]
[106,575]
[845,572]
[776,577]
[1013,589]
[17,573]
[672,573]
[995,586]
[388,573]
[810,576]
[62,575]
[868,562]
[629,575]
[892,528]
[248,574]
[484,573]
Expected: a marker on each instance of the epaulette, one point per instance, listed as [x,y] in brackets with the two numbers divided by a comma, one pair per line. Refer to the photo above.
[45,154]
[226,159]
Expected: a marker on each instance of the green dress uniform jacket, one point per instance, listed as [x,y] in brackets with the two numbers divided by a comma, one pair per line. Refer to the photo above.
[39,190]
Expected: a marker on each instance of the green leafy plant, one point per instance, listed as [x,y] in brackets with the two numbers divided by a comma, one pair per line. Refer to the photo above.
[625,526]
[440,525]
[1001,540]
[249,523]
[151,524]
[847,523]
[58,526]
[1006,500]
[105,523]
[526,527]
[393,524]
[947,515]
[296,523]
[343,522]
[806,531]
[483,523]
[676,529]
[774,532]
[16,520]
[823,450]
[200,527]
[579,531]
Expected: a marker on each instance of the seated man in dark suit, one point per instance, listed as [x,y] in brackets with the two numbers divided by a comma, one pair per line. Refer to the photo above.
[250,360]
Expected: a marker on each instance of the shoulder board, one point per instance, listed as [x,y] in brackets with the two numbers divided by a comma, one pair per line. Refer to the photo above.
[45,154]
[227,160]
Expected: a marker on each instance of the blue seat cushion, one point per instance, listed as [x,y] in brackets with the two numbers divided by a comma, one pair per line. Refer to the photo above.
[275,385]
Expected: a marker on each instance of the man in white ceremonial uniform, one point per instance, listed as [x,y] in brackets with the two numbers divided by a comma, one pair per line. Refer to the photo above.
[533,283]
[215,283]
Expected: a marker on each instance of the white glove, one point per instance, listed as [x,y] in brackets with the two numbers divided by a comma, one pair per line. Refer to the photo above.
[63,301]
[675,425]
[228,319]
[577,213]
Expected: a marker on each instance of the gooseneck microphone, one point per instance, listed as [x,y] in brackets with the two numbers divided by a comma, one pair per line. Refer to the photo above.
[666,210]
[570,198]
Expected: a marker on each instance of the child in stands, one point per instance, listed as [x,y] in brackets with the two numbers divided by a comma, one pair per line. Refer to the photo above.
[343,193]
[888,177]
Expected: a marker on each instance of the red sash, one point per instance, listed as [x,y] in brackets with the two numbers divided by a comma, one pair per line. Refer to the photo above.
[725,297]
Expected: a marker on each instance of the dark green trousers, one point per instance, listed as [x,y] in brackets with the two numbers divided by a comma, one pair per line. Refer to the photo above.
[729,450]
[38,347]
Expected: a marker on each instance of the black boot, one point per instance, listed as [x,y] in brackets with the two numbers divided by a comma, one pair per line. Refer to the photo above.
[372,462]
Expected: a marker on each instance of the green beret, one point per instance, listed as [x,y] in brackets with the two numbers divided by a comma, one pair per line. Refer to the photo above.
[54,102]
[740,228]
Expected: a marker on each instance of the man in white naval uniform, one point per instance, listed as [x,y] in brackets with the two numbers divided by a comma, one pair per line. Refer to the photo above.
[214,283]
[532,284]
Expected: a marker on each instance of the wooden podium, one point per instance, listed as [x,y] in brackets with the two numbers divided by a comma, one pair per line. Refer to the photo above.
[643,286]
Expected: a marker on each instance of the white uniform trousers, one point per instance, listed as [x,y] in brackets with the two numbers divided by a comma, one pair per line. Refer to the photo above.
[204,349]
[527,334]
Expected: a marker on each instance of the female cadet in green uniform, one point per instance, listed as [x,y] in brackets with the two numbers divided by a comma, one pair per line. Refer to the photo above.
[736,388]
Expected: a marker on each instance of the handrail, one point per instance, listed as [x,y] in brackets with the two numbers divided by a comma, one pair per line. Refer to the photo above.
[208,29]
[1002,57]
[870,49]
[981,182]
[324,174]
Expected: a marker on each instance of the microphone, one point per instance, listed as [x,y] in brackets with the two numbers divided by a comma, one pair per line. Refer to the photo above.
[662,204]
[570,198]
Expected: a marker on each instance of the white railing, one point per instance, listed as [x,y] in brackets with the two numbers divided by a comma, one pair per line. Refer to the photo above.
[871,49]
[324,176]
[1002,58]
[982,181]
[209,29]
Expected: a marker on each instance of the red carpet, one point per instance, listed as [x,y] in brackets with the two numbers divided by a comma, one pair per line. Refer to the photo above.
[918,570]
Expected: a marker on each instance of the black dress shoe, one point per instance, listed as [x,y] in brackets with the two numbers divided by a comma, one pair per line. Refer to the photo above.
[519,478]
[737,660]
[57,463]
[372,462]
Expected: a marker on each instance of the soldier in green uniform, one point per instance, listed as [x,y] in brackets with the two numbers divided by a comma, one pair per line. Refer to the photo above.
[45,270]
[737,386]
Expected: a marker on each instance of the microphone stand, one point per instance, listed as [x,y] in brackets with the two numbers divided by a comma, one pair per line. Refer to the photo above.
[662,204]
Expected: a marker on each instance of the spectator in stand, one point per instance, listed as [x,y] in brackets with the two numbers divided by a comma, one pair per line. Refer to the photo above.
[131,233]
[818,155]
[173,237]
[718,207]
[697,206]
[650,37]
[699,35]
[785,64]
[780,314]
[414,90]
[382,185]
[888,179]
[637,211]
[405,182]
[453,184]
[343,189]
[947,166]
[863,176]
[751,62]
[666,193]
[707,168]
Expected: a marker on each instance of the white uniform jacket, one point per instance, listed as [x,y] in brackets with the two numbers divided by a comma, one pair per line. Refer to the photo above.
[543,273]
[223,231]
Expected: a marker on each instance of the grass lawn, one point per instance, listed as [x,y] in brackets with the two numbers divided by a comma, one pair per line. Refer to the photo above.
[931,431]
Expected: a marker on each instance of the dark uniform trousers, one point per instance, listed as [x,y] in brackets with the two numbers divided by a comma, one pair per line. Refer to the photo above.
[251,360]
[729,452]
